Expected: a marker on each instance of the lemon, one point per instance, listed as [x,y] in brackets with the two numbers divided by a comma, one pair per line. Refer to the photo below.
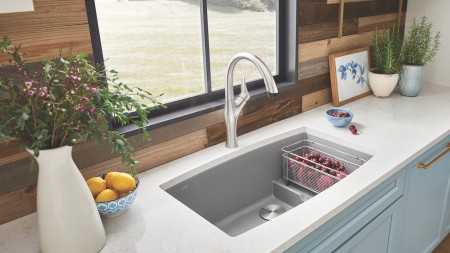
[96,185]
[123,182]
[108,179]
[107,195]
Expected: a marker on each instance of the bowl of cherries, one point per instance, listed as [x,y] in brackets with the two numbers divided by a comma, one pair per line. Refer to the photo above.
[339,117]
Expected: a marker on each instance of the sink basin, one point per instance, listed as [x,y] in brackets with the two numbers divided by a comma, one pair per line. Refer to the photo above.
[246,190]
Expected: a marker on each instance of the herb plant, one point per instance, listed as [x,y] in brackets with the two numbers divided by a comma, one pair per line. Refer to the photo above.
[420,44]
[387,50]
[69,100]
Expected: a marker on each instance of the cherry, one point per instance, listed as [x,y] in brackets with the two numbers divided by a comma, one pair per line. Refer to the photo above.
[327,163]
[337,164]
[324,169]
[353,129]
[341,168]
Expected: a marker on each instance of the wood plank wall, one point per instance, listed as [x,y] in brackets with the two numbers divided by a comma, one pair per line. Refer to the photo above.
[63,24]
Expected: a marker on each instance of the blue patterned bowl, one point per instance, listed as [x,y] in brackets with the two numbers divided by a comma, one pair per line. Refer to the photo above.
[337,121]
[119,206]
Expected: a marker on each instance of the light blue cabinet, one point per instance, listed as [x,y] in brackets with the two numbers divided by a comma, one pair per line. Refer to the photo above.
[375,218]
[445,227]
[427,212]
[379,235]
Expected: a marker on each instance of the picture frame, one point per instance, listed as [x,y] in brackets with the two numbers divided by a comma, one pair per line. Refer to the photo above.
[349,75]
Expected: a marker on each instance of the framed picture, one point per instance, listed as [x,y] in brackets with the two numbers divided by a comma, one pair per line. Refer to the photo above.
[348,73]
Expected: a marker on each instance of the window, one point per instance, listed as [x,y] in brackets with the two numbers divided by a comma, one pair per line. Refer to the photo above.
[182,47]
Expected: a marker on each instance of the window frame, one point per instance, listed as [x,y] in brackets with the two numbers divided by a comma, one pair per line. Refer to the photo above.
[211,100]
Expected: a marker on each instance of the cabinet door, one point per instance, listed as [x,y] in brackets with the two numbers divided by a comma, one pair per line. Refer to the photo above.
[378,236]
[446,218]
[425,194]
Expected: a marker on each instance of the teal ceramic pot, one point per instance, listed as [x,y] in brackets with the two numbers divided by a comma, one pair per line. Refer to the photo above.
[411,80]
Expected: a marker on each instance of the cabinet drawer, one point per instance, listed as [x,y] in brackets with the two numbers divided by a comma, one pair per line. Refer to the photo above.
[345,224]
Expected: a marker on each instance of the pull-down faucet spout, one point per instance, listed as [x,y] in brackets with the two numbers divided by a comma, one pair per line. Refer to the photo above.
[234,106]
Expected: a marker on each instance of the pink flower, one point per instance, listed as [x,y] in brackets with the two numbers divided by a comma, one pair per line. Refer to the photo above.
[33,89]
[82,108]
[94,90]
[85,99]
[28,84]
[76,77]
[47,96]
[44,88]
[31,93]
[92,110]
[41,94]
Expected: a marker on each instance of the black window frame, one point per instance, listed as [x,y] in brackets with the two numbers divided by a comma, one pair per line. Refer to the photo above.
[178,110]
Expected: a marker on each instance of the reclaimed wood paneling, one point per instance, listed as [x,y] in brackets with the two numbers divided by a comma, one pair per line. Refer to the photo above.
[16,204]
[313,50]
[366,24]
[326,30]
[54,25]
[313,68]
[316,83]
[154,156]
[316,99]
[313,12]
[253,121]
[260,103]
[11,152]
[346,1]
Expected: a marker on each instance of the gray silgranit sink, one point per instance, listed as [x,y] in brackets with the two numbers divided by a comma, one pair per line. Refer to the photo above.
[250,189]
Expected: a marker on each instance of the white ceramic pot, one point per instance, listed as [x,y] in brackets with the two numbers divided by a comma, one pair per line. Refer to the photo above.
[382,85]
[68,218]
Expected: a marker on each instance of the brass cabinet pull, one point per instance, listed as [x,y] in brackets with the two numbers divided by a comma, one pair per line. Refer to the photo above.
[427,166]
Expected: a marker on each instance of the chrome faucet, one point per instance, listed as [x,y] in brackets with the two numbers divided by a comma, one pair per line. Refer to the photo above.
[233,107]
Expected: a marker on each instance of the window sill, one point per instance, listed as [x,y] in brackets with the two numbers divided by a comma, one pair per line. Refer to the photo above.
[163,120]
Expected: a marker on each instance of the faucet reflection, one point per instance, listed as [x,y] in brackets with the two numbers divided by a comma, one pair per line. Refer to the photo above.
[233,107]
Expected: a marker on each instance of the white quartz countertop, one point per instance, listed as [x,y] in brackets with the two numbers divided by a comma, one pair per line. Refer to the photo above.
[396,129]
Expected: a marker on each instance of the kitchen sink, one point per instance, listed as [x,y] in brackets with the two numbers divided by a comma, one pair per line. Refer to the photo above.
[250,186]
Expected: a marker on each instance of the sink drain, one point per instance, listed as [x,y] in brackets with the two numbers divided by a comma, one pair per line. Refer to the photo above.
[271,211]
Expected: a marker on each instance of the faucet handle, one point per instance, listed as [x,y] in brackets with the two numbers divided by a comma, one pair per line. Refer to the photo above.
[245,95]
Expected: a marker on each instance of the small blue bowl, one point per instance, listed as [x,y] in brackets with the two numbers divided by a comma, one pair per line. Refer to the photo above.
[118,206]
[338,121]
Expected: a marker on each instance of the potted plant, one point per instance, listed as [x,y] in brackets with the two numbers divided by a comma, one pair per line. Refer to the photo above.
[420,47]
[50,110]
[386,54]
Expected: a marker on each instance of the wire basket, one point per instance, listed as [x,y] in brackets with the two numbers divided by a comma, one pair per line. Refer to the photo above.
[316,166]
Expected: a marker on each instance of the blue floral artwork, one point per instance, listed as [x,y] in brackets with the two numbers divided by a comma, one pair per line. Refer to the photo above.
[355,70]
[349,80]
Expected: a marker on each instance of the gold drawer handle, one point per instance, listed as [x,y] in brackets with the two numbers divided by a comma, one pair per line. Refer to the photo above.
[427,166]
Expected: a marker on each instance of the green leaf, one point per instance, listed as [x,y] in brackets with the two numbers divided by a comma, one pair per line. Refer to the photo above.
[120,142]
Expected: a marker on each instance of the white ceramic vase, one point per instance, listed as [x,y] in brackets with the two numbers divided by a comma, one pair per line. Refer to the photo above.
[382,85]
[68,218]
